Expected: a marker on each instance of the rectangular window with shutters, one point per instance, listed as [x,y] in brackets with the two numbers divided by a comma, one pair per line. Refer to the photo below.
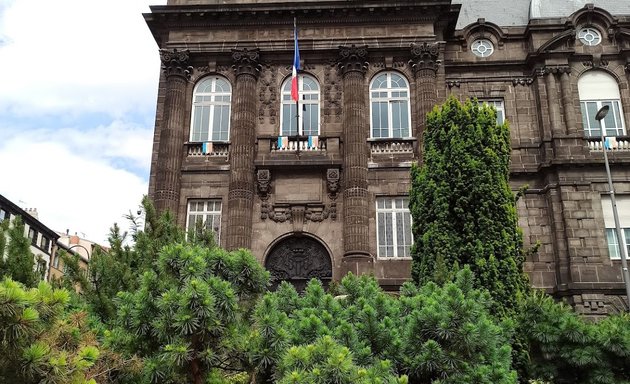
[206,213]
[393,232]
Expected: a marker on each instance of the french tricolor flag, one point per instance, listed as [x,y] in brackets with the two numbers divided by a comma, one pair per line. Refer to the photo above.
[296,66]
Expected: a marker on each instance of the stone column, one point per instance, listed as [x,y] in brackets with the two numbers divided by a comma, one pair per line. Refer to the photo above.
[425,63]
[552,102]
[567,101]
[170,149]
[242,140]
[353,64]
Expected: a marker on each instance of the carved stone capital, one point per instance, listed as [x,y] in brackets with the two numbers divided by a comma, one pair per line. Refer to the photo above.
[353,59]
[175,63]
[246,62]
[425,57]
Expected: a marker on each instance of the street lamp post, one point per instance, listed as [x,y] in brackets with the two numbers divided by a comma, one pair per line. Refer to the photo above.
[621,240]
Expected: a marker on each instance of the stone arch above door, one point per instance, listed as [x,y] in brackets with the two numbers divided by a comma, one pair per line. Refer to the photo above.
[297,259]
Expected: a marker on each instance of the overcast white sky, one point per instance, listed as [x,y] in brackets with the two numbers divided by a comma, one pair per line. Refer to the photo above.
[78,84]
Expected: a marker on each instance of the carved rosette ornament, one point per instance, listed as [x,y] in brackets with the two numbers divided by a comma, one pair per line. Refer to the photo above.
[175,63]
[424,57]
[246,62]
[353,59]
[332,182]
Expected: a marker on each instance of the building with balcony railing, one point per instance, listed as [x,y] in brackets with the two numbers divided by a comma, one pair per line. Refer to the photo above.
[319,188]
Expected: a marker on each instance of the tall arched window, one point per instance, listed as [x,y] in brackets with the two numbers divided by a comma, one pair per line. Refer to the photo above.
[389,106]
[596,89]
[211,110]
[309,108]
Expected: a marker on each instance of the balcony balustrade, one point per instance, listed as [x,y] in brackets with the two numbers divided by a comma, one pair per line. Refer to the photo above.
[208,149]
[614,144]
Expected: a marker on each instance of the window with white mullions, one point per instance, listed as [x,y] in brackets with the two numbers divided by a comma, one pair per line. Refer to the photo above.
[393,235]
[614,248]
[612,123]
[308,91]
[597,89]
[498,105]
[211,110]
[623,208]
[207,213]
[390,114]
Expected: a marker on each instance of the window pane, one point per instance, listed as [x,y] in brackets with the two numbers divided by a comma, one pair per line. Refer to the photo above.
[592,108]
[613,246]
[289,124]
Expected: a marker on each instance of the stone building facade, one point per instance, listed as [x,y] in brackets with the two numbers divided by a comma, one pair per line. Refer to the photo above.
[325,193]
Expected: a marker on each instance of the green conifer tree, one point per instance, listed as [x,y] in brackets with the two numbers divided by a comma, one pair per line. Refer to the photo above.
[16,259]
[462,206]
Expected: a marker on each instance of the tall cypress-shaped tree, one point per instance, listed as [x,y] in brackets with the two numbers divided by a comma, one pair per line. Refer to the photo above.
[464,212]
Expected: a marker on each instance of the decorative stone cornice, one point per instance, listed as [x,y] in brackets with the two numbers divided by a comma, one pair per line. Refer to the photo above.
[453,83]
[557,69]
[353,59]
[246,62]
[175,63]
[524,81]
[425,57]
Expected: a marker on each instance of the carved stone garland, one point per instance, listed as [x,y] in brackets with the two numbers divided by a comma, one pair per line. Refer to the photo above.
[298,214]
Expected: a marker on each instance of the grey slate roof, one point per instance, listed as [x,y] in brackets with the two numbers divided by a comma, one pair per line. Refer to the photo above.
[518,12]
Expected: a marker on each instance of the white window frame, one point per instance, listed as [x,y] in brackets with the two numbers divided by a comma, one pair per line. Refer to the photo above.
[211,208]
[482,48]
[220,98]
[390,95]
[623,209]
[307,98]
[499,105]
[597,88]
[615,114]
[583,34]
[391,209]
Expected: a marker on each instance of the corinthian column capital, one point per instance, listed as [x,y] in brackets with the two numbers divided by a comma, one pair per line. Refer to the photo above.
[424,56]
[175,63]
[353,59]
[246,62]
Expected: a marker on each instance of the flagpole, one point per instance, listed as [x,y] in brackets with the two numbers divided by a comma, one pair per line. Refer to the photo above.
[297,99]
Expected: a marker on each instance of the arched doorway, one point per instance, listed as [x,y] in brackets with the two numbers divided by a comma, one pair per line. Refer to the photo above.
[297,259]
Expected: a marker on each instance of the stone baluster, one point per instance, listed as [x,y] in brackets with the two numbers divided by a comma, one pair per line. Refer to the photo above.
[243,135]
[424,63]
[171,146]
[353,65]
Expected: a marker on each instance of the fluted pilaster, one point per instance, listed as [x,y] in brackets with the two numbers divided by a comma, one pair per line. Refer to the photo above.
[552,102]
[567,101]
[424,63]
[353,64]
[242,136]
[170,149]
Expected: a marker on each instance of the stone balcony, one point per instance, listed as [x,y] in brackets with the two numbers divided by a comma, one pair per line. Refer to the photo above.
[388,152]
[292,151]
[616,144]
[208,149]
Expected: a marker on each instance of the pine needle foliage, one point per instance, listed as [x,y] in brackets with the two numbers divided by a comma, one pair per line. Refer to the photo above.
[432,334]
[463,209]
[41,341]
[188,317]
[566,348]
